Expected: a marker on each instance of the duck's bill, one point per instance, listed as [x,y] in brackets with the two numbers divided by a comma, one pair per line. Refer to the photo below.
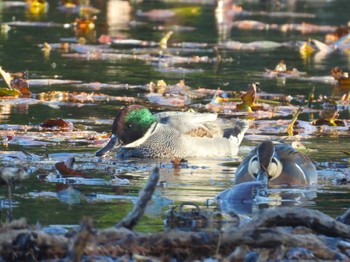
[112,143]
[263,179]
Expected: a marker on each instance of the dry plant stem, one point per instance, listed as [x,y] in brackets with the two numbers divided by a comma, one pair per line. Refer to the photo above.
[345,218]
[139,208]
[79,241]
[9,194]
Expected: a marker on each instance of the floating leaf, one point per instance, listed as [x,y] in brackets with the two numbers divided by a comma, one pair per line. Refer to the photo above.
[342,77]
[9,92]
[57,124]
[7,77]
[290,128]
[249,99]
[66,170]
[163,42]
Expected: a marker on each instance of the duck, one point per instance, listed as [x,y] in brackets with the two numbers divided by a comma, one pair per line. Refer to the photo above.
[136,132]
[277,165]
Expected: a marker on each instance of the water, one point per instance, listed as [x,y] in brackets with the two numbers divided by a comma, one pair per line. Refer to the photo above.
[199,180]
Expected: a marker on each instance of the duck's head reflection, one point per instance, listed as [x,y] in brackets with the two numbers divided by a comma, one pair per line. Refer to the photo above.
[246,197]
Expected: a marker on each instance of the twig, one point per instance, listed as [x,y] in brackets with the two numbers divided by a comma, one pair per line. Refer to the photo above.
[79,241]
[139,208]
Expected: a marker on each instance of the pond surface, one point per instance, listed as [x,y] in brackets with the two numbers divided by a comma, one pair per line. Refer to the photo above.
[96,80]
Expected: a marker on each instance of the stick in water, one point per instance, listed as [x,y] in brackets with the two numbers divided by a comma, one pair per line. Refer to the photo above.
[139,208]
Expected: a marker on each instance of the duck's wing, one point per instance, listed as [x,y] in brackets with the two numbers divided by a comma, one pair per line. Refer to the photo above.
[297,160]
[204,124]
[194,124]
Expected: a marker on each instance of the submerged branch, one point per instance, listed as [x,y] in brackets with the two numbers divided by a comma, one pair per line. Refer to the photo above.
[79,241]
[139,208]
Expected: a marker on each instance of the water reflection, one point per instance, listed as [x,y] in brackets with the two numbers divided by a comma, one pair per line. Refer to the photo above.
[6,110]
[224,14]
[196,181]
[248,197]
[118,16]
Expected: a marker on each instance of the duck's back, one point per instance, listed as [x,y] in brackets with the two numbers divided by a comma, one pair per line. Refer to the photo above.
[297,161]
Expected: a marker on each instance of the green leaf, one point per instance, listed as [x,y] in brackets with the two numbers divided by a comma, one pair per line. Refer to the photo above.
[9,92]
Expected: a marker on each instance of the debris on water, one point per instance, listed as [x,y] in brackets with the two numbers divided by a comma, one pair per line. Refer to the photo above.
[328,116]
[7,203]
[107,197]
[66,169]
[57,125]
[69,196]
[281,70]
[55,230]
[86,181]
[194,218]
[116,181]
[40,194]
[17,84]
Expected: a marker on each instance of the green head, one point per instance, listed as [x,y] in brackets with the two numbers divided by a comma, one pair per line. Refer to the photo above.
[132,122]
[140,118]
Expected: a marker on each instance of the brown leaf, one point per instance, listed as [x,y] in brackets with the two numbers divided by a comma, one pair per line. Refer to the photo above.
[57,124]
[68,172]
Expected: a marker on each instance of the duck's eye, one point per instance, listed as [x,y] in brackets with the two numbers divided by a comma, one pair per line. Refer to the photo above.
[129,126]
[253,166]
[275,168]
